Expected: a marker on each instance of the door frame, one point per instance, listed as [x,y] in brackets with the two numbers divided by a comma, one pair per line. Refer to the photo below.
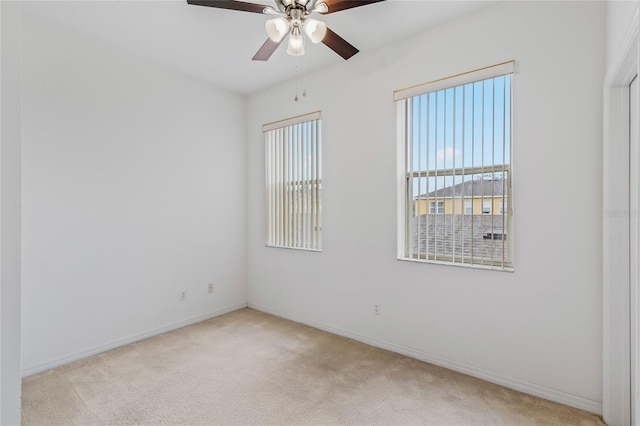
[616,314]
[634,243]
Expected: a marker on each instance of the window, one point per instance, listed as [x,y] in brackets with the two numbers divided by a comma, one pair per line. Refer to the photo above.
[503,207]
[454,143]
[468,207]
[436,207]
[486,206]
[293,182]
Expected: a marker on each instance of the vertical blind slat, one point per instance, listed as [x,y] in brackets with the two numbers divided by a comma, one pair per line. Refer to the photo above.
[294,190]
[303,186]
[319,160]
[427,118]
[493,161]
[285,185]
[473,163]
[417,142]
[453,180]
[314,217]
[436,192]
[504,155]
[409,203]
[482,136]
[317,234]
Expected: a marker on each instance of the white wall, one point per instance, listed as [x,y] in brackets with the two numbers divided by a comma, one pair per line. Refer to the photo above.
[10,380]
[537,329]
[133,189]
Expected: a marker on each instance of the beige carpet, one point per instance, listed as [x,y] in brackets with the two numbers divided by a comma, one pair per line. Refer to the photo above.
[248,367]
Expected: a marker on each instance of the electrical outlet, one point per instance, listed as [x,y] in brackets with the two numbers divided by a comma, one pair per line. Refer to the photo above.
[210,288]
[377,309]
[183,295]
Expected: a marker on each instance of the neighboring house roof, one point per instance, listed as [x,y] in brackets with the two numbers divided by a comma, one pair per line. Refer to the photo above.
[471,188]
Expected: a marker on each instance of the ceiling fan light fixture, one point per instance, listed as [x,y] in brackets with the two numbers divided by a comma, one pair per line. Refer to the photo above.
[316,30]
[296,44]
[276,28]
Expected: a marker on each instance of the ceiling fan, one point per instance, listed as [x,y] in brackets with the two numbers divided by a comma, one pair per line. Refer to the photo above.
[293,19]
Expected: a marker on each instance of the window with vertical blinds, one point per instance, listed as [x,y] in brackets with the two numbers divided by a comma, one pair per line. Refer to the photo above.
[454,163]
[293,182]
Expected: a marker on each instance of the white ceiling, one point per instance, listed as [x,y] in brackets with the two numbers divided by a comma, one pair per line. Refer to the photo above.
[217,45]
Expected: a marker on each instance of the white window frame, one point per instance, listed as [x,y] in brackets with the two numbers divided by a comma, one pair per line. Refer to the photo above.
[436,207]
[504,205]
[293,182]
[468,207]
[487,206]
[406,201]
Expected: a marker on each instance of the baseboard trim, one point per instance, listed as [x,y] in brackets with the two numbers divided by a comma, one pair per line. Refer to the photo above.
[508,382]
[28,371]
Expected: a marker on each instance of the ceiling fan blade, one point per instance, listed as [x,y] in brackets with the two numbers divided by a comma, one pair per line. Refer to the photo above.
[339,45]
[338,5]
[267,49]
[230,4]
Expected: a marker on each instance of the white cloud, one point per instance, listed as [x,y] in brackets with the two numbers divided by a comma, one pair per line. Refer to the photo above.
[446,155]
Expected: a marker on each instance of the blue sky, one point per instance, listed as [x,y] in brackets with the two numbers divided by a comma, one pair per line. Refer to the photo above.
[465,126]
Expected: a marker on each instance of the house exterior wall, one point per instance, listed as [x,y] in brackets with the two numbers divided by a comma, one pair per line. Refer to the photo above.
[457,205]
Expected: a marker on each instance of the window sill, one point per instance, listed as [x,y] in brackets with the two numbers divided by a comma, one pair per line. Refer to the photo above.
[460,264]
[294,248]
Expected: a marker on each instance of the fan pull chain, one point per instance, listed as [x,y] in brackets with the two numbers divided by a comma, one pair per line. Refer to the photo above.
[304,75]
[296,98]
